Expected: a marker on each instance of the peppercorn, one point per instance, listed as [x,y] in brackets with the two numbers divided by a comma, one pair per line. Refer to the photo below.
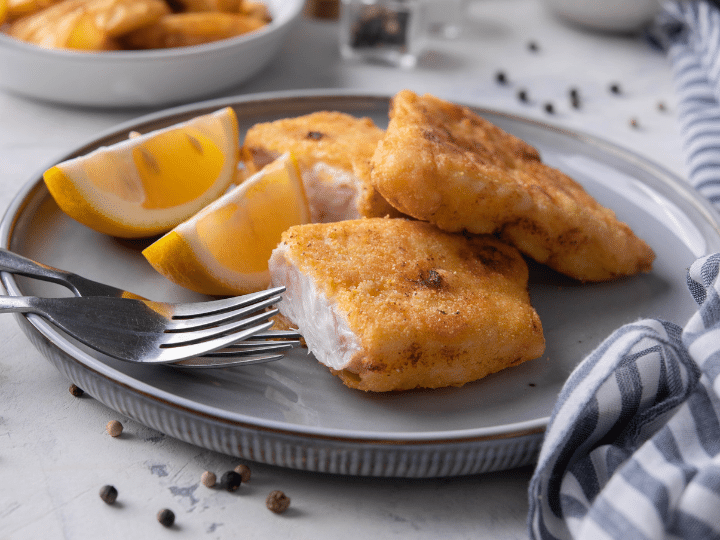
[108,494]
[523,95]
[277,501]
[231,480]
[615,88]
[575,98]
[549,108]
[500,77]
[166,517]
[244,472]
[533,46]
[114,428]
[208,479]
[76,391]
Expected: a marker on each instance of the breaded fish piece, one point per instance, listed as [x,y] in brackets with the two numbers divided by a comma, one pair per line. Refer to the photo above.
[422,309]
[333,150]
[442,163]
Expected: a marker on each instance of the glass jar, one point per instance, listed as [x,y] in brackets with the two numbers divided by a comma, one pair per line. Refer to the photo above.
[387,31]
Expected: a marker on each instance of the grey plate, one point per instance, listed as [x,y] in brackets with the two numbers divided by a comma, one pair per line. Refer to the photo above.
[294,413]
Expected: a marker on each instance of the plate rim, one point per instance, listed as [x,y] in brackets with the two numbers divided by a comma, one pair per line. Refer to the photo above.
[34,187]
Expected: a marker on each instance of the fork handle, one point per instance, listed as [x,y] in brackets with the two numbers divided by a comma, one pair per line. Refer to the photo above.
[20,304]
[17,264]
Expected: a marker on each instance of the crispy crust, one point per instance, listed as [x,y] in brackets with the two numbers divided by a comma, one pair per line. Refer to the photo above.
[336,139]
[443,163]
[427,308]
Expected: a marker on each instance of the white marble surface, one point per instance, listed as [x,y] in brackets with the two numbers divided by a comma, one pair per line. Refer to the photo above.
[54,452]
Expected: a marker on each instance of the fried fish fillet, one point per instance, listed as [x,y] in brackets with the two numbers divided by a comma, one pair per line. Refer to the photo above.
[422,309]
[442,163]
[333,150]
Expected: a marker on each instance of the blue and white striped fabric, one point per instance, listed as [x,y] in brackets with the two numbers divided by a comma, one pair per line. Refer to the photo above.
[632,450]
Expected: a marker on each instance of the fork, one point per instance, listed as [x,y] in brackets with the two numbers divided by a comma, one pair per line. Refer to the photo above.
[265,345]
[142,331]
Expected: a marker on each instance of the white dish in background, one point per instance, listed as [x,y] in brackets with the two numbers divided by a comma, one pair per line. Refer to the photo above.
[621,16]
[149,78]
[293,412]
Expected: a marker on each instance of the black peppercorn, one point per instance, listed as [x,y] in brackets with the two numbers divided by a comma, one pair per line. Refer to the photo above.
[76,391]
[108,494]
[549,108]
[231,481]
[533,46]
[522,95]
[500,77]
[166,517]
[575,98]
[615,88]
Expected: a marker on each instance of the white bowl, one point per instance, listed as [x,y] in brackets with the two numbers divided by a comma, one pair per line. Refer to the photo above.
[607,15]
[157,77]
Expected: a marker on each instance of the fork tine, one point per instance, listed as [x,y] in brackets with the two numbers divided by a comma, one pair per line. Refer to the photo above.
[184,339]
[205,362]
[250,348]
[215,319]
[193,349]
[199,309]
[278,334]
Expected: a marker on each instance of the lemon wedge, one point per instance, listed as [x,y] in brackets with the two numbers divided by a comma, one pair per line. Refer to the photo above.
[148,184]
[224,249]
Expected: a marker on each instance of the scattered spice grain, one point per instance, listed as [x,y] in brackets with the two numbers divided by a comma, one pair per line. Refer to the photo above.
[575,98]
[634,123]
[615,88]
[501,77]
[533,46]
[661,106]
[208,479]
[108,494]
[114,428]
[244,472]
[231,481]
[277,501]
[549,108]
[76,390]
[166,517]
[523,95]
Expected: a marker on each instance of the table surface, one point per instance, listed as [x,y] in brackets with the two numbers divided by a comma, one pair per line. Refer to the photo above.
[54,451]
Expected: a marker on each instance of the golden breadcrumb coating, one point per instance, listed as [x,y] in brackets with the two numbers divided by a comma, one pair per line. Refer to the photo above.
[339,141]
[442,163]
[422,309]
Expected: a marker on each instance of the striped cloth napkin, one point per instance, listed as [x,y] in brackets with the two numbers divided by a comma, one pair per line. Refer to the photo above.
[632,450]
